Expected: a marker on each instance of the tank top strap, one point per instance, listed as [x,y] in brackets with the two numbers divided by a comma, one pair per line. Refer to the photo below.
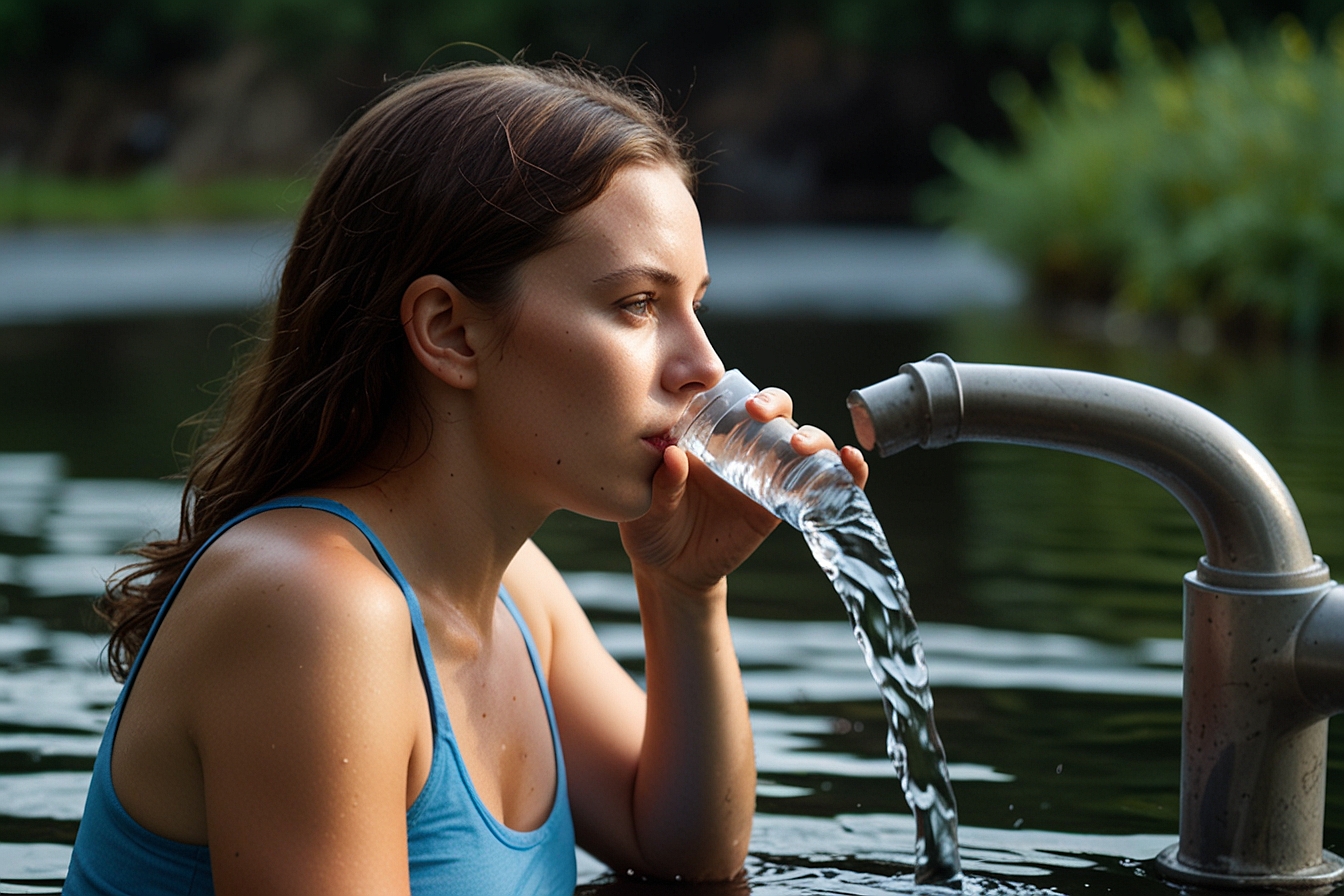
[541,678]
[453,841]
[423,656]
[422,653]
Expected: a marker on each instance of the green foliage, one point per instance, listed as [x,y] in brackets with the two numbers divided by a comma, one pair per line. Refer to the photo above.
[33,200]
[127,38]
[1028,24]
[136,38]
[1210,184]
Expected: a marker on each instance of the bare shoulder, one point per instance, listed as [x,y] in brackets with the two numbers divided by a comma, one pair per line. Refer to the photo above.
[305,573]
[303,698]
[285,590]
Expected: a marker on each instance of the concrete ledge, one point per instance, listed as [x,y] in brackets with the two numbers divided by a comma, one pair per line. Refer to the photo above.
[853,272]
[54,275]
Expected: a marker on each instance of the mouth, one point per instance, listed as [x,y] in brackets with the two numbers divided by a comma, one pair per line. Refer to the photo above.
[661,441]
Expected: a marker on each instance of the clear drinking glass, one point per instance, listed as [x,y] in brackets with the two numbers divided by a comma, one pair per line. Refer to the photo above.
[757,459]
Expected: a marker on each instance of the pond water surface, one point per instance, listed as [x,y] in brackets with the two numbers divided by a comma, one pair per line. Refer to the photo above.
[1047,588]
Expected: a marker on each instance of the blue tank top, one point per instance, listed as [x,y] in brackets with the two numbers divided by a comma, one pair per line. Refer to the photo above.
[455,844]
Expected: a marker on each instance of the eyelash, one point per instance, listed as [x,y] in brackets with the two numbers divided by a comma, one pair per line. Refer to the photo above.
[646,303]
[640,307]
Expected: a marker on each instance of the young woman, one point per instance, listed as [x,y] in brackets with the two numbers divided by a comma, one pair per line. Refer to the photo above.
[352,672]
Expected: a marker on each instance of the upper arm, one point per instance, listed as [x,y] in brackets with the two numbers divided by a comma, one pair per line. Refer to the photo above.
[599,709]
[307,700]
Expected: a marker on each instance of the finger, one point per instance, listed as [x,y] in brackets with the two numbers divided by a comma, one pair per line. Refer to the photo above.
[809,440]
[669,482]
[770,403]
[853,460]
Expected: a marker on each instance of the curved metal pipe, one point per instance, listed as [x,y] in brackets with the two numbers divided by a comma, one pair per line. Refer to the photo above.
[1264,624]
[1248,519]
[1319,655]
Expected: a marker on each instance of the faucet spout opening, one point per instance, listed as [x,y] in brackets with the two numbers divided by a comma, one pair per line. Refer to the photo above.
[1264,624]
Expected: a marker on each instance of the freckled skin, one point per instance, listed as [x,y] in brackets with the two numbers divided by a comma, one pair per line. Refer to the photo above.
[565,410]
[604,364]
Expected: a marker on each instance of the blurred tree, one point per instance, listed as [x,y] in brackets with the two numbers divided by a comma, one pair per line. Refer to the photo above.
[136,36]
[131,38]
[816,109]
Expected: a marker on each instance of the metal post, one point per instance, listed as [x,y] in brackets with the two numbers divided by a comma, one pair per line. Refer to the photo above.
[1264,625]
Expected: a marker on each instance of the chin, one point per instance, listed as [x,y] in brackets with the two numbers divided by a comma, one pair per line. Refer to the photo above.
[618,508]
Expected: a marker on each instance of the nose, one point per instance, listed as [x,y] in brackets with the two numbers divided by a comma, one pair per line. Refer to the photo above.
[694,366]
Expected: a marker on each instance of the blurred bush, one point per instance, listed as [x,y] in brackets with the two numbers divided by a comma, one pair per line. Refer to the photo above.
[812,110]
[1209,184]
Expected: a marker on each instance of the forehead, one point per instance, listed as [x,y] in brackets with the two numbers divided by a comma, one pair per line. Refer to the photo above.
[645,217]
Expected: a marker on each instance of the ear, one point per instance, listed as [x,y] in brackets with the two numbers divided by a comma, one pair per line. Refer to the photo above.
[435,316]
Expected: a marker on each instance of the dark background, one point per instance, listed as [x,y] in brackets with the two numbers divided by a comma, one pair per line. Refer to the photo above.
[809,111]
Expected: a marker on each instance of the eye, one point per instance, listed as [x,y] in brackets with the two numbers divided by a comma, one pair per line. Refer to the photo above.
[639,306]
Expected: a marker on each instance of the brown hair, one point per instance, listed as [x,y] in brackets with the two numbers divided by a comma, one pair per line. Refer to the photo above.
[463,173]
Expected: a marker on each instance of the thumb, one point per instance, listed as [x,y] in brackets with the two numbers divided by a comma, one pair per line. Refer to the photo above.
[669,482]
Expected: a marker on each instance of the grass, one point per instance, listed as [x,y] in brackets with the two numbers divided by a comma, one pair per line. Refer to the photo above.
[34,200]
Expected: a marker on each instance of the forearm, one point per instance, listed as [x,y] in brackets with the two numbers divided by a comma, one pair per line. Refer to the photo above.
[695,788]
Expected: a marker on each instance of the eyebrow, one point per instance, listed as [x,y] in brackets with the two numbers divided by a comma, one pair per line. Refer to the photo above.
[641,271]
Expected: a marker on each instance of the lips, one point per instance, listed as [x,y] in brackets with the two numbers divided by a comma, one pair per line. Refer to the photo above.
[661,441]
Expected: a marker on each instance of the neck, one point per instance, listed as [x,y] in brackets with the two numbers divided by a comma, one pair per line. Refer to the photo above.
[450,527]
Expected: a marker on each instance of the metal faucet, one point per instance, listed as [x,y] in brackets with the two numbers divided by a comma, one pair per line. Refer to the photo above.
[1264,622]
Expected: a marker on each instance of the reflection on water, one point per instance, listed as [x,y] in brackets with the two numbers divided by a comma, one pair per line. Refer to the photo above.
[1048,588]
[817,725]
[54,701]
[77,526]
[852,854]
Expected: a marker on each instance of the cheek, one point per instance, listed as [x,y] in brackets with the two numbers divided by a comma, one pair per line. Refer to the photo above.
[564,386]
[539,412]
[585,370]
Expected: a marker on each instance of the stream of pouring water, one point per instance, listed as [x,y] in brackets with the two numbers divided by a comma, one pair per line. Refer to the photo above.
[817,496]
[851,548]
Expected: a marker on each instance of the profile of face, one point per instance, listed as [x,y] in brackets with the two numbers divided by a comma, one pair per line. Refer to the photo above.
[605,350]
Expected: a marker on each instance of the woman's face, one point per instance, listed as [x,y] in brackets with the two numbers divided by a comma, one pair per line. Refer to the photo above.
[605,352]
